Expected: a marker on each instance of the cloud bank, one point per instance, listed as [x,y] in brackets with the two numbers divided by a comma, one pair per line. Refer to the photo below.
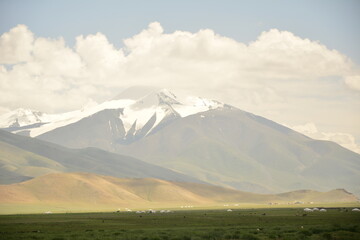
[344,139]
[47,68]
[275,73]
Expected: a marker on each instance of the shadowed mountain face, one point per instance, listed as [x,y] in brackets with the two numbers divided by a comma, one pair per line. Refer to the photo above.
[208,140]
[99,130]
[22,158]
[96,190]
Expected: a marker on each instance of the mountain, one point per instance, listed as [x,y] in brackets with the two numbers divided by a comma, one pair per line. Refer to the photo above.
[17,165]
[123,120]
[206,139]
[230,147]
[22,158]
[95,192]
[20,118]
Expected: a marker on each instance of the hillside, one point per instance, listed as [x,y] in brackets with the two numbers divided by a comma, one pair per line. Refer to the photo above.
[98,191]
[230,147]
[17,165]
[205,139]
[23,157]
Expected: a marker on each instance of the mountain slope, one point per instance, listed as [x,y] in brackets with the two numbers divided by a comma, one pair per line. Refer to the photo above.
[17,165]
[235,148]
[26,157]
[208,140]
[98,130]
[97,191]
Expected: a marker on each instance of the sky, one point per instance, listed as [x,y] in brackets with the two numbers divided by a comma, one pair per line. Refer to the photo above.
[294,62]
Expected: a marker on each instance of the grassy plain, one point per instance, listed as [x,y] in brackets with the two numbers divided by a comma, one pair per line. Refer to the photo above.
[247,224]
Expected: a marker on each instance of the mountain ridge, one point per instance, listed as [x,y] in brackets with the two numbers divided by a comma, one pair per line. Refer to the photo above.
[34,153]
[211,141]
[133,113]
[238,145]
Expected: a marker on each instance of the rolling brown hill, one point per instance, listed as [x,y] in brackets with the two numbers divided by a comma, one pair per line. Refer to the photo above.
[97,191]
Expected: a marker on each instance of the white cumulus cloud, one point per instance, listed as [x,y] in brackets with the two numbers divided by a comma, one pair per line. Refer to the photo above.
[344,139]
[353,82]
[277,75]
[16,45]
[100,58]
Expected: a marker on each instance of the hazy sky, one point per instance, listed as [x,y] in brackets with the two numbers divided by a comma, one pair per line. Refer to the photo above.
[295,62]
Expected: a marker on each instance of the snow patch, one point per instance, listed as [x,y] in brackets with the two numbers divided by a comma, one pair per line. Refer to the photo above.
[110,126]
[60,120]
[21,117]
[141,116]
[194,105]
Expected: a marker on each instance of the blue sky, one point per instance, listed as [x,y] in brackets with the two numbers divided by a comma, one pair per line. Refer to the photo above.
[333,23]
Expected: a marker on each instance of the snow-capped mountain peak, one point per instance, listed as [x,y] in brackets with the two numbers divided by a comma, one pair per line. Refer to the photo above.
[156,98]
[139,116]
[193,105]
[157,104]
[167,97]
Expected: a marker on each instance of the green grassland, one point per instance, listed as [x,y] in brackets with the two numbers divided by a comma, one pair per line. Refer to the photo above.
[276,223]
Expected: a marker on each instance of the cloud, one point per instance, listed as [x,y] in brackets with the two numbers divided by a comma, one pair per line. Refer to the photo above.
[284,55]
[308,129]
[275,54]
[201,60]
[278,75]
[102,61]
[42,77]
[353,82]
[344,139]
[16,45]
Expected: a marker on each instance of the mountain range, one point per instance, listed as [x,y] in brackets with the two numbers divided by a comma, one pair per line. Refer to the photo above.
[199,139]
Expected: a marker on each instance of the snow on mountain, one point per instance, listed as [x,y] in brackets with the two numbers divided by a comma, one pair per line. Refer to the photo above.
[158,106]
[162,104]
[21,117]
[60,120]
[195,105]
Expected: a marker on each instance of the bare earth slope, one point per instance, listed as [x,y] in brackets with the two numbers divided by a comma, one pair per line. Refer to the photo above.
[95,191]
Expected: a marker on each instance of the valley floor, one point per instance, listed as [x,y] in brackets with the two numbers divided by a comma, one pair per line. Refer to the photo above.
[276,223]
